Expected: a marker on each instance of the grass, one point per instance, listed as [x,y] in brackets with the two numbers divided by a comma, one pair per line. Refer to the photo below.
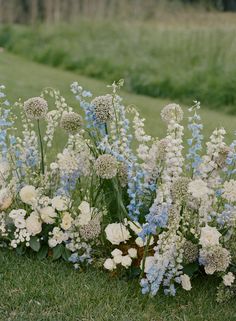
[33,290]
[181,57]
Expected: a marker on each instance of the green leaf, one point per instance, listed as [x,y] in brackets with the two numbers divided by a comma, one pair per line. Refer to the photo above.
[57,252]
[66,254]
[34,243]
[191,268]
[42,253]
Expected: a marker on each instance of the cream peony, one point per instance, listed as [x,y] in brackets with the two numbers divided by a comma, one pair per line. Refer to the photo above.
[186,282]
[66,221]
[28,194]
[48,215]
[5,199]
[126,261]
[85,215]
[228,279]
[209,236]
[33,224]
[60,203]
[117,233]
[109,264]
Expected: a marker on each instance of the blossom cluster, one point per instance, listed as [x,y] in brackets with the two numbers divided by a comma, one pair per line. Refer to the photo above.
[106,191]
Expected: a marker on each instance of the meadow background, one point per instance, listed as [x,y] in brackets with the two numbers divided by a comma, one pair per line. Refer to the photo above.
[167,51]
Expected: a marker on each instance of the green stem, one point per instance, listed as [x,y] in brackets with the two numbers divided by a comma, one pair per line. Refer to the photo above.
[41,149]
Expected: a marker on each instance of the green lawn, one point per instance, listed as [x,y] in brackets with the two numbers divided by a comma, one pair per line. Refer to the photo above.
[33,290]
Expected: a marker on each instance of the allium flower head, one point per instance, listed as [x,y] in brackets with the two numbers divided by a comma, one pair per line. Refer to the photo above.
[179,189]
[172,112]
[103,108]
[106,166]
[36,108]
[215,259]
[91,230]
[71,122]
[190,252]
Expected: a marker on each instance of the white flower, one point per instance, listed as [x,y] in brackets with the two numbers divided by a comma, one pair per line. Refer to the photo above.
[230,191]
[52,243]
[135,227]
[14,214]
[109,264]
[126,261]
[133,253]
[48,215]
[53,166]
[186,282]
[58,236]
[60,203]
[66,221]
[228,279]
[33,224]
[198,189]
[149,262]
[5,199]
[209,236]
[85,215]
[118,259]
[28,194]
[117,233]
[116,252]
[20,222]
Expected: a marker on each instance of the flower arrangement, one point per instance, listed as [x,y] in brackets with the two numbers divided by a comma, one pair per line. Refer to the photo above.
[115,197]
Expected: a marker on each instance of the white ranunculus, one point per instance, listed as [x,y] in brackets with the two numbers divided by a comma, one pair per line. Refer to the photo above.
[117,259]
[186,282]
[117,233]
[66,221]
[116,252]
[149,261]
[5,199]
[126,261]
[48,214]
[33,224]
[209,236]
[109,264]
[198,189]
[133,253]
[228,279]
[85,215]
[60,203]
[28,194]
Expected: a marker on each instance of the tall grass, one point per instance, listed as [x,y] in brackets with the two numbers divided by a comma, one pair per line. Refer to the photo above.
[182,61]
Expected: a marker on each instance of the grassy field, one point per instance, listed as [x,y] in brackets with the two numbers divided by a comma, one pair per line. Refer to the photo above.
[34,290]
[181,57]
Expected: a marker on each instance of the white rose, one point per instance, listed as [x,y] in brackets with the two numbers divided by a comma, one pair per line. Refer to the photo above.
[48,215]
[209,236]
[60,203]
[117,233]
[126,261]
[33,224]
[28,194]
[149,261]
[109,264]
[117,259]
[66,221]
[5,199]
[85,213]
[133,253]
[52,243]
[228,279]
[116,252]
[186,282]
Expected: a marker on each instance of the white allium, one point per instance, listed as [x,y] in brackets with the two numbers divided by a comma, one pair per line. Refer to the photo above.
[198,189]
[109,264]
[126,261]
[5,199]
[71,122]
[172,112]
[28,194]
[117,233]
[228,279]
[133,253]
[209,236]
[186,282]
[48,215]
[103,108]
[230,190]
[106,166]
[34,224]
[36,108]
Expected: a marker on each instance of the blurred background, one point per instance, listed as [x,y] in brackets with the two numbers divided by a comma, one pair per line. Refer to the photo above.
[169,49]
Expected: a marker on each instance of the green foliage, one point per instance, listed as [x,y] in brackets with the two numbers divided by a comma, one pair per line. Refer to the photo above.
[176,62]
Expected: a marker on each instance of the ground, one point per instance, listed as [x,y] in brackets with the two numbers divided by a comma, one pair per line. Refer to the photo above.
[33,290]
